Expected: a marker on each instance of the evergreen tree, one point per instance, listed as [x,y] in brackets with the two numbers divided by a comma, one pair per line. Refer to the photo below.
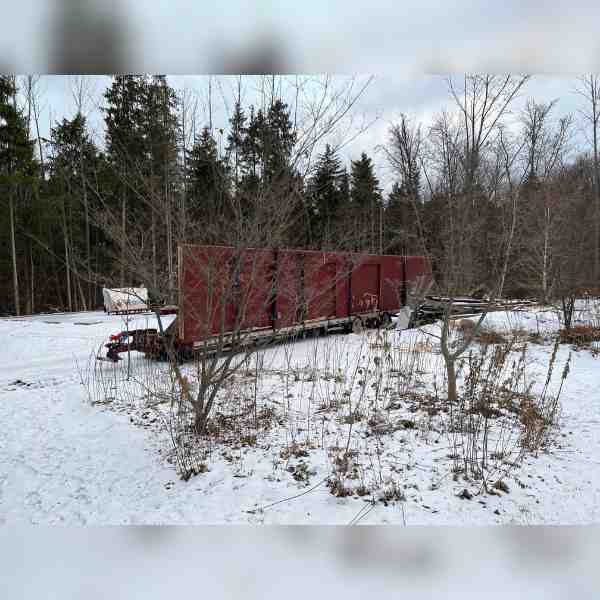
[252,152]
[278,143]
[126,152]
[235,140]
[124,119]
[345,188]
[161,128]
[208,180]
[324,190]
[401,233]
[365,190]
[73,162]
[18,171]
[162,179]
[266,147]
[142,137]
[366,204]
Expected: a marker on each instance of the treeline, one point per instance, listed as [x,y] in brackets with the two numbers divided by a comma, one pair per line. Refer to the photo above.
[499,209]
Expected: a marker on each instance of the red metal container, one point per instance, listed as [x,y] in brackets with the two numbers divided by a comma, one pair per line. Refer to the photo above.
[222,291]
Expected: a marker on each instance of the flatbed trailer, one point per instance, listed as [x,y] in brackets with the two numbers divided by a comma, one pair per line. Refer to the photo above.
[231,298]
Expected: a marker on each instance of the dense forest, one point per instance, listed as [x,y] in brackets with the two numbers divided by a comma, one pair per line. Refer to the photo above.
[500,205]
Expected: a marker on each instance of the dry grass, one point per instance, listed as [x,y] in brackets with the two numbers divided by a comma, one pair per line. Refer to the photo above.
[487,335]
[580,336]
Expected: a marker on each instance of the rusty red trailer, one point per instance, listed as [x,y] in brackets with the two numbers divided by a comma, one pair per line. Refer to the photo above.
[267,293]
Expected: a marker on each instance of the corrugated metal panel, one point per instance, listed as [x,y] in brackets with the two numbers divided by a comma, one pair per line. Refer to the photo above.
[281,288]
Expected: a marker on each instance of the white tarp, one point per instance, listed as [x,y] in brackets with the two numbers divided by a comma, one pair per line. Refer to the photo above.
[125,299]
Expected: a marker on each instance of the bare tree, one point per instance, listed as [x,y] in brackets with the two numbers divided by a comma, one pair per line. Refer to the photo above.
[11,211]
[261,218]
[508,152]
[482,100]
[81,92]
[404,153]
[443,165]
[589,89]
[546,144]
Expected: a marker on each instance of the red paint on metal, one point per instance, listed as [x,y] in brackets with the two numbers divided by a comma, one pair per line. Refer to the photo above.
[282,288]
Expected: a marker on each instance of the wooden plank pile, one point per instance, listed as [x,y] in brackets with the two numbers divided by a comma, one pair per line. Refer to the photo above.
[435,307]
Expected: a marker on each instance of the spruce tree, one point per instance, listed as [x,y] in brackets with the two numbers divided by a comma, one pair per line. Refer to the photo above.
[235,140]
[162,179]
[207,182]
[366,203]
[401,232]
[278,143]
[73,162]
[126,152]
[266,148]
[18,172]
[325,194]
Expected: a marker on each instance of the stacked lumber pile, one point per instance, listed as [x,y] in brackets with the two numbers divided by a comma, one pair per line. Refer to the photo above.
[435,307]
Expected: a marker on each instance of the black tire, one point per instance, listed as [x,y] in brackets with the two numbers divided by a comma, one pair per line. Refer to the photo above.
[386,320]
[356,325]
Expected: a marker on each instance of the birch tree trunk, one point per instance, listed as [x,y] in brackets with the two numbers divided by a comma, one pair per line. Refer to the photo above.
[545,258]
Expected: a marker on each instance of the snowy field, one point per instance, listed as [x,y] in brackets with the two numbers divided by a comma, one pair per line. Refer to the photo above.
[67,459]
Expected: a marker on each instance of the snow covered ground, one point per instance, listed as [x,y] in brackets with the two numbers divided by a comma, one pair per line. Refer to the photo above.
[66,460]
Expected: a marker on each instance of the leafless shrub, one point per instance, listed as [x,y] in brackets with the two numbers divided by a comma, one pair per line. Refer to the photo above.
[498,417]
[392,493]
[539,414]
[580,336]
[487,335]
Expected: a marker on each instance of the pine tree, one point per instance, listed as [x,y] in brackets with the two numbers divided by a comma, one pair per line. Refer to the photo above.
[235,140]
[17,170]
[142,139]
[252,152]
[324,191]
[207,181]
[345,188]
[278,143]
[366,204]
[266,148]
[162,135]
[126,148]
[73,162]
[401,229]
[124,120]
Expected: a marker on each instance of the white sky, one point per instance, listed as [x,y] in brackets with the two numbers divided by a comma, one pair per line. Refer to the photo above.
[403,42]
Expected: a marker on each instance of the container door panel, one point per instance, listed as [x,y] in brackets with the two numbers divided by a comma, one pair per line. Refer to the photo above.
[203,279]
[391,282]
[365,288]
[288,299]
[319,287]
[256,289]
[418,272]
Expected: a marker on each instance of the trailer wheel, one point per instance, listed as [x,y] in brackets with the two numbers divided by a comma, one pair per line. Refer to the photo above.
[386,320]
[373,323]
[356,325]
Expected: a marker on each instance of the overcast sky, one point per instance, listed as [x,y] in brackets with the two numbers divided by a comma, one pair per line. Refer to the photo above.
[391,36]
[409,45]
